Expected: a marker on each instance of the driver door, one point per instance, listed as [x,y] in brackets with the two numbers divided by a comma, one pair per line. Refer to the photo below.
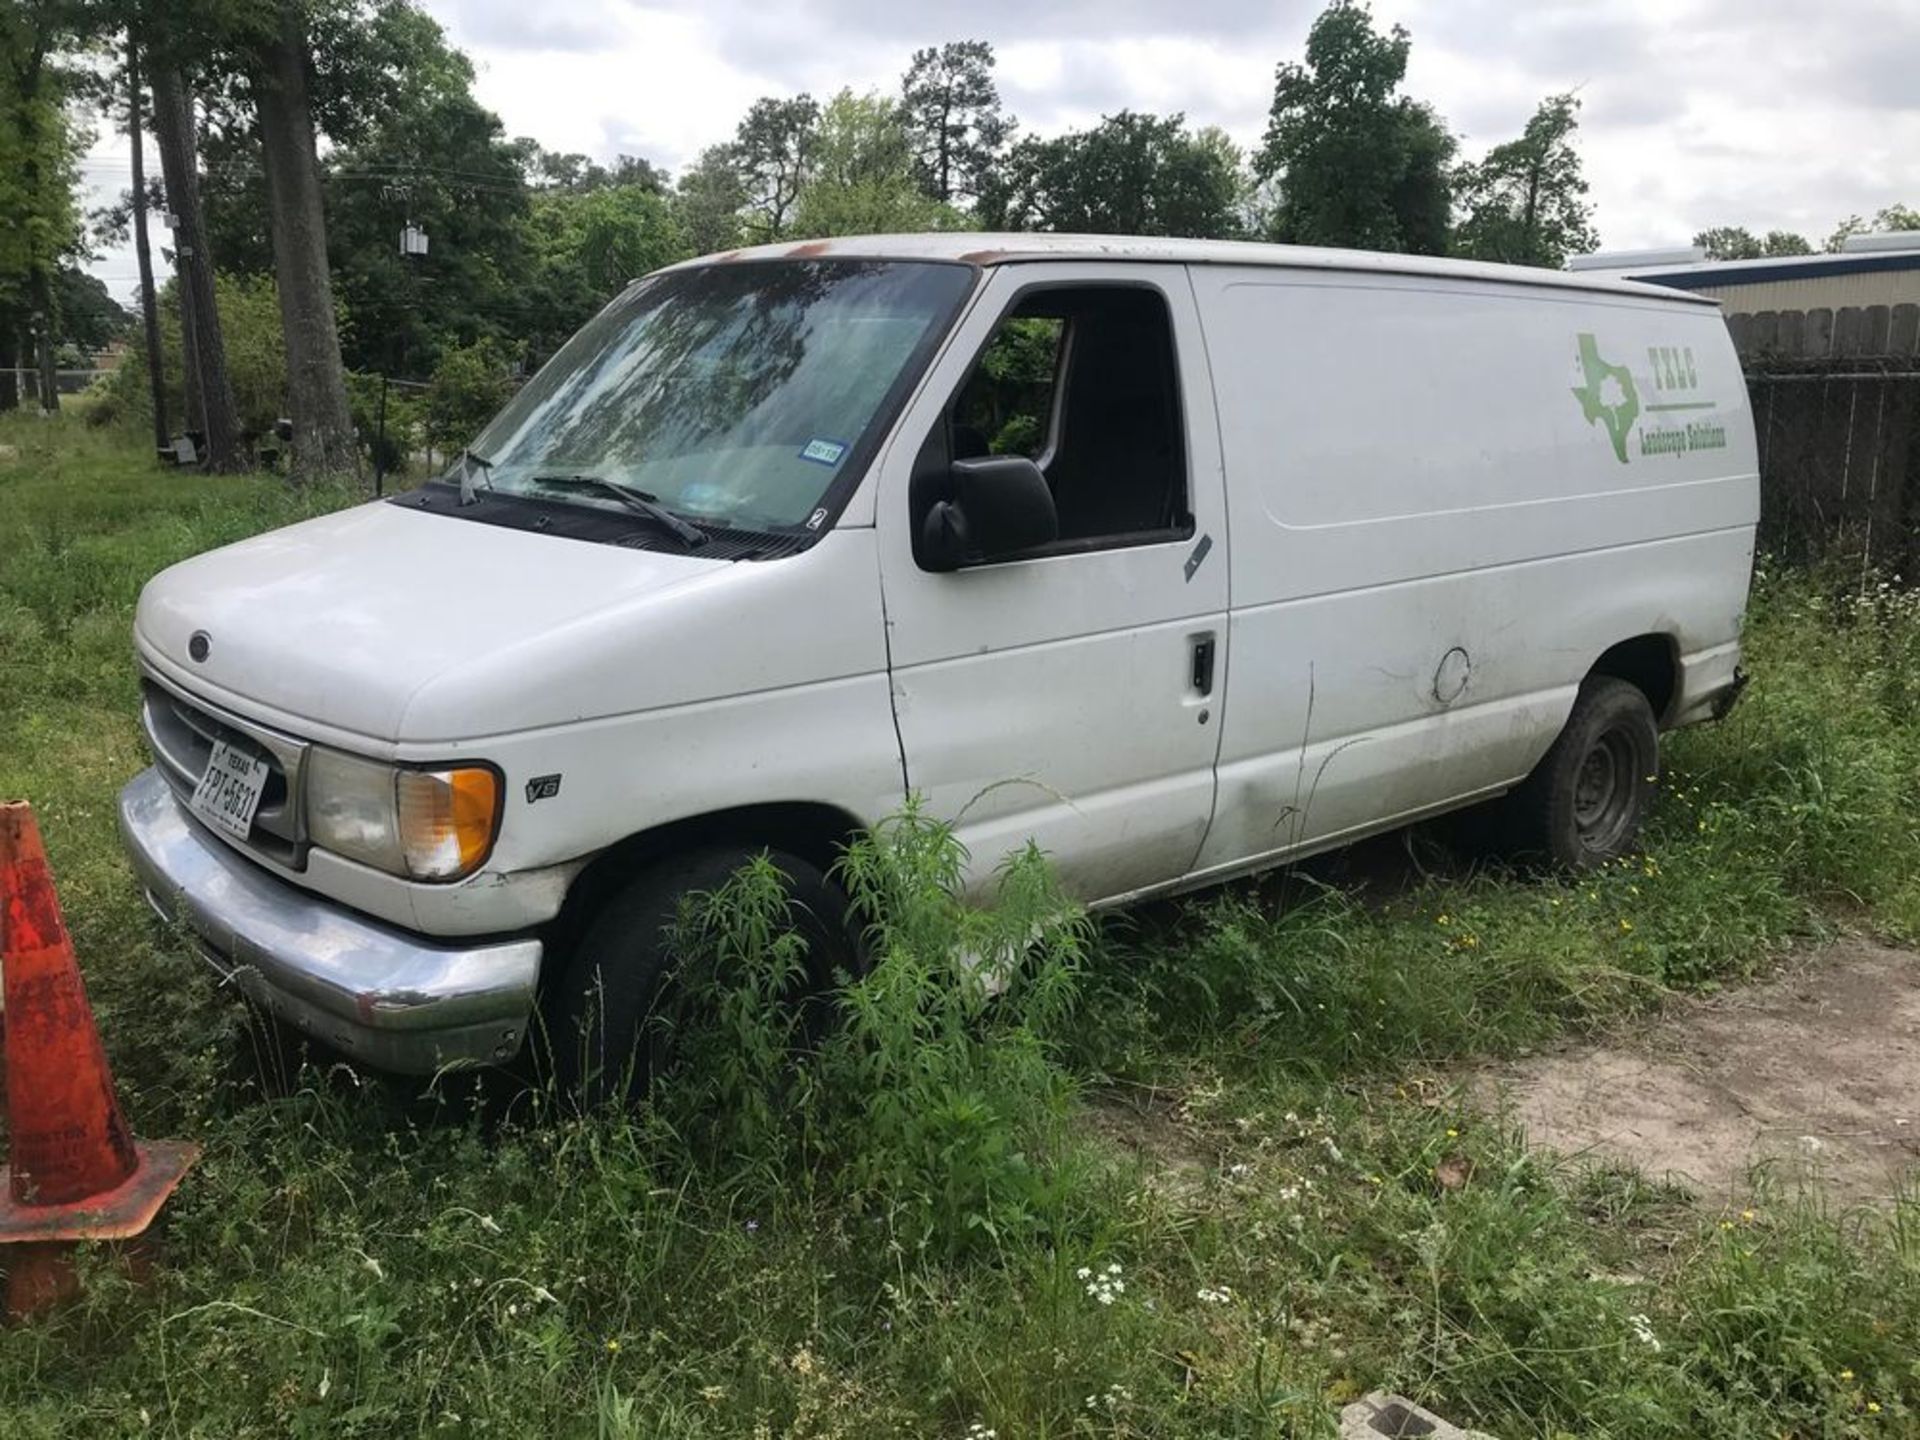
[1069,694]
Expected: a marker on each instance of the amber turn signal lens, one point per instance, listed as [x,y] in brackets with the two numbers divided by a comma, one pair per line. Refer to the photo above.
[447,820]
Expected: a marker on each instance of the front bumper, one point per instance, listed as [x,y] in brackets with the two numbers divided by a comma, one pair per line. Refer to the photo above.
[394,1000]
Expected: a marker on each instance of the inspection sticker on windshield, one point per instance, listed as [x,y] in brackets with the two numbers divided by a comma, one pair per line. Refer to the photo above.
[823,452]
[230,791]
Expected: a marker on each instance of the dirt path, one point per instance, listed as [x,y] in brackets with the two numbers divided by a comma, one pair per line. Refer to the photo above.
[1817,1072]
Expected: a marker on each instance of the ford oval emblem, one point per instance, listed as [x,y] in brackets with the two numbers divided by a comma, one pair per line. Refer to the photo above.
[200,645]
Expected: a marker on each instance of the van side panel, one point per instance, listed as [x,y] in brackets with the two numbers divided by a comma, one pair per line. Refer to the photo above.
[1447,499]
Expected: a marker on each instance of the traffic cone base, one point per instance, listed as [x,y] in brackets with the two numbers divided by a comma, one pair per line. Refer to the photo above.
[115,1214]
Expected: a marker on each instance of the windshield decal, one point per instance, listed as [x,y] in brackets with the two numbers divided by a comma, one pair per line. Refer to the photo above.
[823,452]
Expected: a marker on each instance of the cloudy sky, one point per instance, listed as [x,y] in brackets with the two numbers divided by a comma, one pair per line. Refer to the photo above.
[1769,113]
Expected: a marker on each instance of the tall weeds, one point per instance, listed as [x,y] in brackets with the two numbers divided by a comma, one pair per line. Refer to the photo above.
[933,1100]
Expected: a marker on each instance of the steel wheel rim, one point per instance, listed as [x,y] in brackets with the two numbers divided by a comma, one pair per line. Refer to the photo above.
[1604,790]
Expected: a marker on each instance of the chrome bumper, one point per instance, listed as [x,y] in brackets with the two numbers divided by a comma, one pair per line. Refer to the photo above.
[394,1000]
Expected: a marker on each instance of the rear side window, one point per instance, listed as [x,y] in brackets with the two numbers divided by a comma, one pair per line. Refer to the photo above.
[1082,381]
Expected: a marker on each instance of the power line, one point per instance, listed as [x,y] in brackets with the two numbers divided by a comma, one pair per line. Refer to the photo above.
[362,170]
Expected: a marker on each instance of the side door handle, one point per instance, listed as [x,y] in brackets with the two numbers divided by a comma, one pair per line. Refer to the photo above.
[1200,674]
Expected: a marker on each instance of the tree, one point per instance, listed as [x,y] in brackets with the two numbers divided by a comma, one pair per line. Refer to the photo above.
[323,437]
[1892,217]
[1132,174]
[576,173]
[1357,164]
[863,180]
[951,112]
[469,386]
[209,390]
[773,149]
[1734,242]
[142,249]
[39,222]
[708,201]
[435,158]
[1525,203]
[91,319]
[586,246]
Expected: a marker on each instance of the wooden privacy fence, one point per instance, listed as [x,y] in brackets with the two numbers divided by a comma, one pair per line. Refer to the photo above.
[1836,409]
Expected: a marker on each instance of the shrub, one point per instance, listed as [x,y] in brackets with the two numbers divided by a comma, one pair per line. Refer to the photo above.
[934,1102]
[403,428]
[256,361]
[468,387]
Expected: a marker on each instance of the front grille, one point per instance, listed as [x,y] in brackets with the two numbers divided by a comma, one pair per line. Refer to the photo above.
[182,733]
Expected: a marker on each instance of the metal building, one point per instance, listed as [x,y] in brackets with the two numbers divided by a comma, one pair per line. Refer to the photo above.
[1870,270]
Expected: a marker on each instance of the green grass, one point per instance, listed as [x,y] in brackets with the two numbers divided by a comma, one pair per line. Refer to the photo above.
[1247,1095]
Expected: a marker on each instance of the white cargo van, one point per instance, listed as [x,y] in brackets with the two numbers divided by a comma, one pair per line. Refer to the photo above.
[1181,558]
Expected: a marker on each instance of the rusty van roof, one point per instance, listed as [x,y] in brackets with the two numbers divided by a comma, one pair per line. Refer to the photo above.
[975,248]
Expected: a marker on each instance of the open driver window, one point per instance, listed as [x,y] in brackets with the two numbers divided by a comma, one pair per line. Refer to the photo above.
[1081,380]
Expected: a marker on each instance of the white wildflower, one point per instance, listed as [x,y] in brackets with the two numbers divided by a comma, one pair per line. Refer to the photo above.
[1214,1295]
[1107,1286]
[1643,1331]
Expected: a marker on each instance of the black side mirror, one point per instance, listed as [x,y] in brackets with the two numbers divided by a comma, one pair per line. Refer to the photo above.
[995,506]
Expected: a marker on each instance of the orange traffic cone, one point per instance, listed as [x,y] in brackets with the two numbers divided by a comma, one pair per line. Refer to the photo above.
[75,1171]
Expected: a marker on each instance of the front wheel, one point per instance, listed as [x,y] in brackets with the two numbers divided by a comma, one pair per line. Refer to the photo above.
[601,1007]
[1586,800]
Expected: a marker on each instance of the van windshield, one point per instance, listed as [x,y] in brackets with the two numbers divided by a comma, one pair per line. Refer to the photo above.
[734,395]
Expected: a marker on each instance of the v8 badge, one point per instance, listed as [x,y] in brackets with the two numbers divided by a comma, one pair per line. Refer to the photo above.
[542,787]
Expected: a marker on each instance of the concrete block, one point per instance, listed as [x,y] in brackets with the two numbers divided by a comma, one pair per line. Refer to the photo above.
[1380,1416]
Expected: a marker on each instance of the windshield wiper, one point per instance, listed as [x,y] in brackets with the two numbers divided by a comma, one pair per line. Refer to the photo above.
[638,501]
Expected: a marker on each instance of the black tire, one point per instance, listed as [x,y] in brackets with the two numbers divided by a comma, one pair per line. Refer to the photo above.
[618,976]
[1585,801]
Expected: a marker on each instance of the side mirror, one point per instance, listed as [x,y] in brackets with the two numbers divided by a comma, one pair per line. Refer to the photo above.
[996,506]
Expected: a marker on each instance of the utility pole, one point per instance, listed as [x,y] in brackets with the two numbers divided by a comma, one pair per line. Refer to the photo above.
[149,301]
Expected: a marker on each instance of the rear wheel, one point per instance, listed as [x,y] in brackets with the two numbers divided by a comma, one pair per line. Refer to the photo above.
[1586,800]
[620,976]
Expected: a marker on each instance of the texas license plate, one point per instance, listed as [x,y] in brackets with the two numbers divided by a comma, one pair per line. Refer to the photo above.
[230,791]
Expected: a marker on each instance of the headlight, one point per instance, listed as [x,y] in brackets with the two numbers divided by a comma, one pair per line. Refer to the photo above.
[425,824]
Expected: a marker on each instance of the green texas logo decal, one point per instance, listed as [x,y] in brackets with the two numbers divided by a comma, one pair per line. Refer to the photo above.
[1608,396]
